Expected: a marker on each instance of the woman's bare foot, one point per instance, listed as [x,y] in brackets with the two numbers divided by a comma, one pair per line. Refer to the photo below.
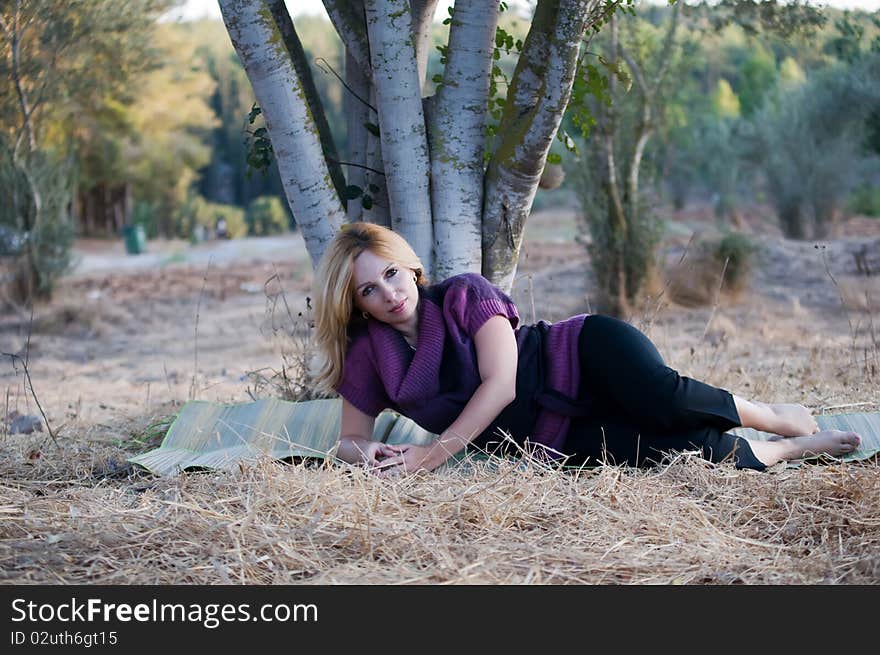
[791,420]
[826,442]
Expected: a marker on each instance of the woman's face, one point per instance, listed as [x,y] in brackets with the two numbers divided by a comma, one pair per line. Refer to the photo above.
[385,290]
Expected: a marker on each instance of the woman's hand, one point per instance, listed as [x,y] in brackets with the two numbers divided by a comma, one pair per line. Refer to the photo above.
[411,459]
[377,454]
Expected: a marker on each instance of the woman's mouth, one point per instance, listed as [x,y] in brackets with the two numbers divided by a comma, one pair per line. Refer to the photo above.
[399,307]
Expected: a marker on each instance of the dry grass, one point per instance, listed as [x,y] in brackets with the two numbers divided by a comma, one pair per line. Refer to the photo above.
[72,517]
[79,514]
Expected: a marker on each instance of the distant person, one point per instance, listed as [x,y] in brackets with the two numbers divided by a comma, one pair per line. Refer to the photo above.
[221,229]
[453,357]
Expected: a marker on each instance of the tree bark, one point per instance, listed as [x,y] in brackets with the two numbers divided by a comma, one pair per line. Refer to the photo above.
[347,17]
[316,107]
[305,176]
[422,18]
[458,138]
[401,123]
[540,90]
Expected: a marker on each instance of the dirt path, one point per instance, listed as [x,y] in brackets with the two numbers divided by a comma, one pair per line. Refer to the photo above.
[120,338]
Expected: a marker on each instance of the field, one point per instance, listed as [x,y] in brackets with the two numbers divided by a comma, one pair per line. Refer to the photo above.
[127,340]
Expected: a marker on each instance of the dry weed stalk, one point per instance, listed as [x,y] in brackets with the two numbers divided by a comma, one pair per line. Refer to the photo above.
[194,385]
[295,380]
[29,382]
[870,362]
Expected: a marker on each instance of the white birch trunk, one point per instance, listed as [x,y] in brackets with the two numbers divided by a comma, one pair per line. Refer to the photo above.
[347,17]
[422,19]
[401,123]
[295,141]
[458,139]
[527,131]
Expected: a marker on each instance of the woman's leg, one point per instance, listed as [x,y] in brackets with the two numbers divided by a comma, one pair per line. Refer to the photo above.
[782,419]
[624,375]
[648,408]
[826,442]
[616,440]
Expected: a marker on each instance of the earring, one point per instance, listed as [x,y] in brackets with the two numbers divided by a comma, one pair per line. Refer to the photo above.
[366,315]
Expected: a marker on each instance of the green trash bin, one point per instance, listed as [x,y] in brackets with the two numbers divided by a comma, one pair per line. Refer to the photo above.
[135,239]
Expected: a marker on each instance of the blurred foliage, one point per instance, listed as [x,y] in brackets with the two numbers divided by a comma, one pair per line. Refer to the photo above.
[866,200]
[138,121]
[266,216]
[735,252]
[210,216]
[40,249]
[67,68]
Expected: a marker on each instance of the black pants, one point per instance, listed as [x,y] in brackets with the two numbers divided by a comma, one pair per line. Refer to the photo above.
[643,409]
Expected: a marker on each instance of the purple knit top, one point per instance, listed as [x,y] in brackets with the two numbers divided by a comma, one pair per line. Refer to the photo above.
[432,384]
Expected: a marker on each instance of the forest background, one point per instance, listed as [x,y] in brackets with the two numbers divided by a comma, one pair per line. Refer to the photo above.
[150,121]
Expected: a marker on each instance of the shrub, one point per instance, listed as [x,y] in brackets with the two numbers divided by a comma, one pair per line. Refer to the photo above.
[736,250]
[866,200]
[38,243]
[697,280]
[266,215]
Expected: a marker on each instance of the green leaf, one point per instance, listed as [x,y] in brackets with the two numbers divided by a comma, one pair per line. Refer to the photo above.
[352,191]
[437,79]
[372,128]
[554,158]
[367,202]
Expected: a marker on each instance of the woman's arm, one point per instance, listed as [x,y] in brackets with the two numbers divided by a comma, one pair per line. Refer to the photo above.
[497,359]
[356,445]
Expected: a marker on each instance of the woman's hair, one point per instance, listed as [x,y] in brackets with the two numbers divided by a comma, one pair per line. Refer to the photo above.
[334,293]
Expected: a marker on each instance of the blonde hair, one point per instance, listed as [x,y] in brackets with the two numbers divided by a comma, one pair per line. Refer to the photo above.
[334,293]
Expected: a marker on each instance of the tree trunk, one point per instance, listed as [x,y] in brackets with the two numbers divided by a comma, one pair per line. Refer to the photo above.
[422,19]
[377,212]
[443,200]
[304,73]
[458,138]
[347,17]
[295,140]
[401,123]
[540,90]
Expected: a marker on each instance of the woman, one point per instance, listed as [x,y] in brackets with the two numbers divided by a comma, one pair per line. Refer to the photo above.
[453,358]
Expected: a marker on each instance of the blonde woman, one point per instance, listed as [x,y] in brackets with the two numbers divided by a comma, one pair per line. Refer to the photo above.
[454,358]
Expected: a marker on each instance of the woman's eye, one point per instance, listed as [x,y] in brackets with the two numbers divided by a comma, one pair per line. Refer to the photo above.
[391,272]
[366,291]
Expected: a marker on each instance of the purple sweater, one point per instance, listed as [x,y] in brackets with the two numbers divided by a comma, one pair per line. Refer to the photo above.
[433,384]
